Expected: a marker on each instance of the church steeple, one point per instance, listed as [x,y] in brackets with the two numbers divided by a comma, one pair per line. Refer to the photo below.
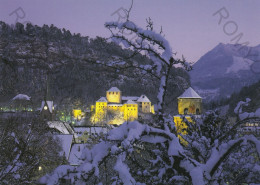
[47,89]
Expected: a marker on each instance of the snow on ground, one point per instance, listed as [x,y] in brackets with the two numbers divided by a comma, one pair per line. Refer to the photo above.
[75,154]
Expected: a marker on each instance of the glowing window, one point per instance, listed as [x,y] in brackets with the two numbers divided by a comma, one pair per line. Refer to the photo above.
[45,107]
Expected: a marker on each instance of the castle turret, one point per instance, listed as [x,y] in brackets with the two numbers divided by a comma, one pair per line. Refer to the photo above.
[189,102]
[114,95]
[130,111]
[144,104]
[101,109]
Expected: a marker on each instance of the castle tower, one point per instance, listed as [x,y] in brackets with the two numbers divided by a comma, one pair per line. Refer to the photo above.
[113,95]
[101,109]
[130,111]
[189,103]
[101,105]
[144,104]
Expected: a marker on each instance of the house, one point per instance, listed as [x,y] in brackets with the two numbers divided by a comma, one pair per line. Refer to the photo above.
[251,126]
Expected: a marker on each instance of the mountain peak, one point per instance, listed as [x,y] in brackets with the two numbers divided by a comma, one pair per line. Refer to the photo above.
[225,69]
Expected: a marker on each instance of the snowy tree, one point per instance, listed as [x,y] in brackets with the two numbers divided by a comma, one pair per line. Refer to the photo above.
[227,156]
[155,47]
[138,153]
[27,150]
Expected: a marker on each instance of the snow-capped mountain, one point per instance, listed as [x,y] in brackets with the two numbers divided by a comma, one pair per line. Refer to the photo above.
[226,69]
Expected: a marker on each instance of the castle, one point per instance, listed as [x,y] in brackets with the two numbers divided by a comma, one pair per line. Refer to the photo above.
[116,109]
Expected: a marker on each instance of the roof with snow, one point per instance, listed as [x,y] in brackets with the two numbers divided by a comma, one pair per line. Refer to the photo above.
[66,141]
[49,104]
[130,102]
[134,98]
[189,93]
[22,97]
[113,89]
[143,98]
[62,127]
[102,99]
[92,130]
[114,104]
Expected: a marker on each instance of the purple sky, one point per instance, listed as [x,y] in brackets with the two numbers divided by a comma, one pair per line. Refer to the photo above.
[189,25]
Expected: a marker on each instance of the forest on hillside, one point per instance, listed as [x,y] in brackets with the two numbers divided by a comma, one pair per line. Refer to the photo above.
[251,91]
[75,68]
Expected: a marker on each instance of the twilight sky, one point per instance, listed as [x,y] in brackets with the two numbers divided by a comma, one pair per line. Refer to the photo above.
[189,25]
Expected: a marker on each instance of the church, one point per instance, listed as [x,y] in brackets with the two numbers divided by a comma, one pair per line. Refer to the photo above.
[116,109]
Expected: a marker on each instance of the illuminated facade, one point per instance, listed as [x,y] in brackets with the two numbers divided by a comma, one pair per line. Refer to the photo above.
[189,103]
[116,109]
[77,114]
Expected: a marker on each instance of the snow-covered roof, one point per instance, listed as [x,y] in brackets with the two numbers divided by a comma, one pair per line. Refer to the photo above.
[187,116]
[49,104]
[63,127]
[102,99]
[113,89]
[75,154]
[95,130]
[115,104]
[21,97]
[143,98]
[130,102]
[189,93]
[134,98]
[66,141]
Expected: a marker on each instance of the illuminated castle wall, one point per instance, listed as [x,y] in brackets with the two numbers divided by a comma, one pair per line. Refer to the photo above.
[123,108]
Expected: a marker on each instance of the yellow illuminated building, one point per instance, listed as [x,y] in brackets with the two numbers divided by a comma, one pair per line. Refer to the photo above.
[116,109]
[130,111]
[189,103]
[114,95]
[77,114]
